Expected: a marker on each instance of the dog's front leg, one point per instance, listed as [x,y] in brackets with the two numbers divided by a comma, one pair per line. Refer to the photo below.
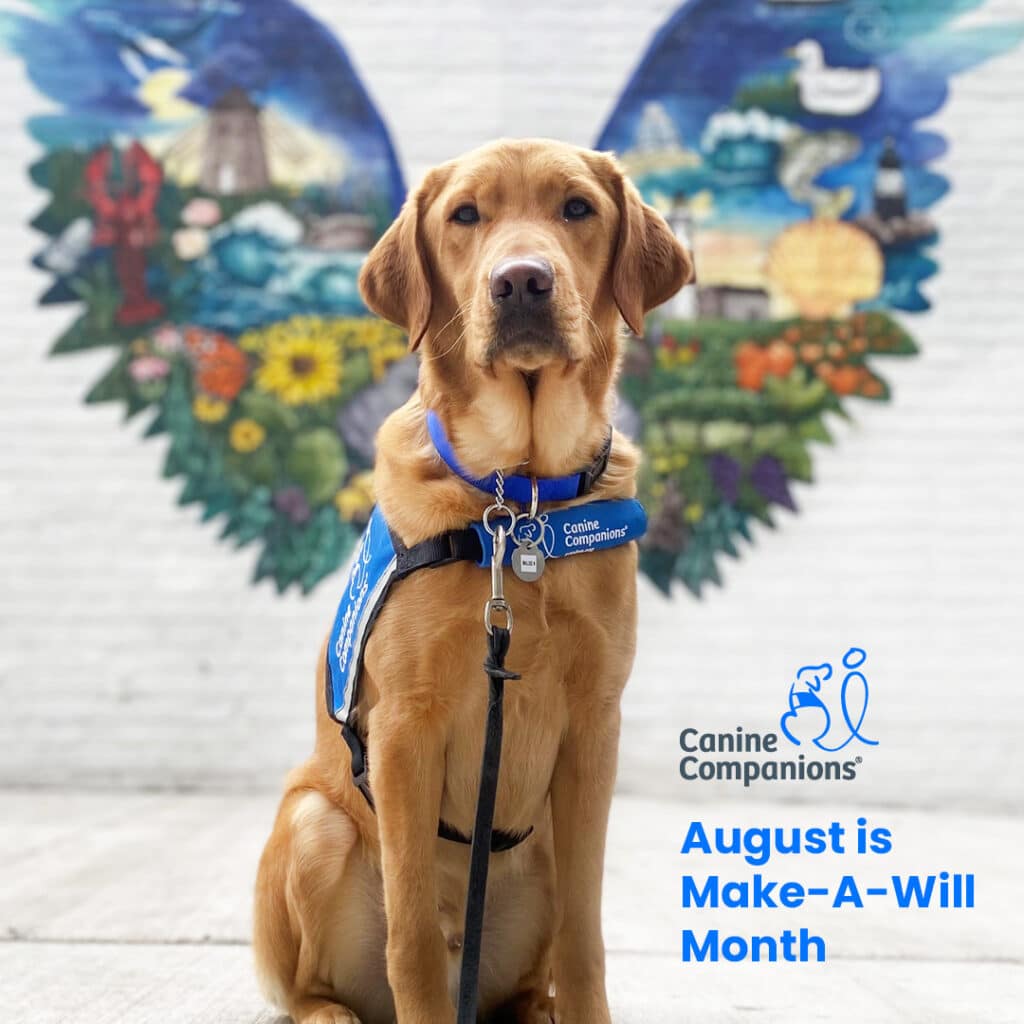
[581,795]
[407,775]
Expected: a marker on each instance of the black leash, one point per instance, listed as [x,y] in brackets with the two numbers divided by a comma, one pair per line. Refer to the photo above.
[479,858]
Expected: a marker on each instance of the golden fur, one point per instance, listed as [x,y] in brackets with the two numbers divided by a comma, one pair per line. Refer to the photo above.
[358,917]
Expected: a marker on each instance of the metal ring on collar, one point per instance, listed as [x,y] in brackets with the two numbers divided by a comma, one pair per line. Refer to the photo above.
[503,509]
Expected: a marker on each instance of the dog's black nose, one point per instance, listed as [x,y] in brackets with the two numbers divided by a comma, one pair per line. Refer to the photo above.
[525,280]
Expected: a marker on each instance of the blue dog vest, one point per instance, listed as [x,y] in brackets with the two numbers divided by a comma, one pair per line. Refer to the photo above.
[381,559]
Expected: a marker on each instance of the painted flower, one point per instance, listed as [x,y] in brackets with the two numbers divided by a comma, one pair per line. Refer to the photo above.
[190,243]
[300,368]
[388,351]
[167,339]
[208,409]
[781,359]
[751,365]
[201,212]
[246,435]
[726,474]
[255,339]
[693,512]
[670,461]
[845,380]
[221,368]
[671,353]
[148,368]
[754,363]
[355,501]
[291,502]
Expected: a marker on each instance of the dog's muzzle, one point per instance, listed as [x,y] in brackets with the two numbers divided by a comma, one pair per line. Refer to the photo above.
[521,290]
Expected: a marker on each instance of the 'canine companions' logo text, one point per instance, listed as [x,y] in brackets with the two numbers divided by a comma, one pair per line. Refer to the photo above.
[825,712]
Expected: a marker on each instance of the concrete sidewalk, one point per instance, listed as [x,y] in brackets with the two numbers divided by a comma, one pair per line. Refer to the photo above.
[135,908]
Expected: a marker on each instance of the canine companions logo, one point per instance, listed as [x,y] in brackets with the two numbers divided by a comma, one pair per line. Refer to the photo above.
[833,712]
[824,713]
[536,531]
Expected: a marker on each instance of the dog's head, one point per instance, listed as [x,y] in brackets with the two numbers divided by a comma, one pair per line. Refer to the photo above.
[511,266]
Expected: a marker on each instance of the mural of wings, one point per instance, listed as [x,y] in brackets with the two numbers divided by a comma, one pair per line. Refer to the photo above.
[783,142]
[212,199]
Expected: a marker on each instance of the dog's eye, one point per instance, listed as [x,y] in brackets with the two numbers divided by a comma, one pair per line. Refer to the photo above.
[577,209]
[467,213]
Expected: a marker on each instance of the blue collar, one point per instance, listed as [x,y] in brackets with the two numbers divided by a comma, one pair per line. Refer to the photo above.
[520,488]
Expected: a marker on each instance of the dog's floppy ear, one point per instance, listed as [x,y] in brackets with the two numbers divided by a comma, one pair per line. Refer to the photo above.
[650,263]
[395,279]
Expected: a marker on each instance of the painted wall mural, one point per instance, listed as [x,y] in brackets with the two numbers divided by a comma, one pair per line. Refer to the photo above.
[212,199]
[784,141]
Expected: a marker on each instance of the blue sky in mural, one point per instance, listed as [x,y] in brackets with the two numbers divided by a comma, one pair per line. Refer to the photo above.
[716,64]
[89,58]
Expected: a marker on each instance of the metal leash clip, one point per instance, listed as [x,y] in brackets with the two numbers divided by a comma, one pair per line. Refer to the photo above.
[497,603]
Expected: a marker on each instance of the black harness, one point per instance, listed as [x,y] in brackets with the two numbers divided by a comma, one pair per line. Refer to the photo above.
[444,549]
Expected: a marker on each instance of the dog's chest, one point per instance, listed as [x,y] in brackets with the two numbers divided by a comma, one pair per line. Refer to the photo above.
[572,644]
[536,709]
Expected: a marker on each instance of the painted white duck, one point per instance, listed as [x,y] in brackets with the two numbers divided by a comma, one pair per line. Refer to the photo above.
[841,92]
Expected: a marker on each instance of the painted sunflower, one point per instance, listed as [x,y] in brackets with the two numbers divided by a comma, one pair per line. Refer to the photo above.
[300,366]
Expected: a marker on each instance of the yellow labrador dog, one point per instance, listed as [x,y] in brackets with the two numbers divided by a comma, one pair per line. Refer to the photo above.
[511,269]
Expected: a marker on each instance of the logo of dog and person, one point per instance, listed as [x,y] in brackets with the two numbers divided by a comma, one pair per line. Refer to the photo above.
[209,203]
[827,707]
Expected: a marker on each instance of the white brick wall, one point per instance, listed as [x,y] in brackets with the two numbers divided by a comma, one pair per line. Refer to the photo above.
[134,652]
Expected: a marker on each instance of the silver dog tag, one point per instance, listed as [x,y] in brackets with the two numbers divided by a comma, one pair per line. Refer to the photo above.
[528,562]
